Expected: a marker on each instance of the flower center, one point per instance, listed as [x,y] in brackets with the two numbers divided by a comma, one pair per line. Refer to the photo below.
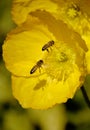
[73,11]
[59,61]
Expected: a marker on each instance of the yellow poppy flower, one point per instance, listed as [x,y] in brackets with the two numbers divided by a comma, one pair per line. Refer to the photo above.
[44,74]
[21,9]
[76,14]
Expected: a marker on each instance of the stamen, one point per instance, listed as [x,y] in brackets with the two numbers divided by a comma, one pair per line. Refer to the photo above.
[63,57]
[73,11]
[59,62]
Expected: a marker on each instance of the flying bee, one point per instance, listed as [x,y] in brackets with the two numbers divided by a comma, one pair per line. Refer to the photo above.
[38,65]
[47,45]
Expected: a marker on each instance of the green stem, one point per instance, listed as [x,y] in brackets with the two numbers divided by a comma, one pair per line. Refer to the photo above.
[85,96]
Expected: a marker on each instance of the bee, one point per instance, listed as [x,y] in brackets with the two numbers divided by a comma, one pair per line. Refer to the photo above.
[76,7]
[47,45]
[38,65]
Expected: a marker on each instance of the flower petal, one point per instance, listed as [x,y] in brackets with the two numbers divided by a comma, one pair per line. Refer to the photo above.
[43,92]
[86,37]
[78,21]
[71,12]
[21,9]
[23,47]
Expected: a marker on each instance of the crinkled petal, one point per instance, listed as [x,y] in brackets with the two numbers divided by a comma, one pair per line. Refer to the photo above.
[74,13]
[23,47]
[61,30]
[21,9]
[43,92]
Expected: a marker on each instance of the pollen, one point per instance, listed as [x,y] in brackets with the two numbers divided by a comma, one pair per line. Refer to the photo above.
[59,62]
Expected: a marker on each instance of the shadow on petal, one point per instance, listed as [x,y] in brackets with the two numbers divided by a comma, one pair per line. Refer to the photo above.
[41,84]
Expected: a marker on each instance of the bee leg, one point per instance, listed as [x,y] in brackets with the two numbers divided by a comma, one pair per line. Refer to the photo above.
[51,48]
[47,50]
[39,70]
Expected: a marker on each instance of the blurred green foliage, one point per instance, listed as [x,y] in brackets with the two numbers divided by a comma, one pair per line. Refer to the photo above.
[73,115]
